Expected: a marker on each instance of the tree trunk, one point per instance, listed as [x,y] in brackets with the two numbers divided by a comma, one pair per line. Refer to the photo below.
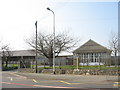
[115,58]
[60,64]
[50,62]
[3,60]
[6,64]
[2,64]
[44,63]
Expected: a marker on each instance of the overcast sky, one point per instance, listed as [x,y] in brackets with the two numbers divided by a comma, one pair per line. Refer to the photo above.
[86,20]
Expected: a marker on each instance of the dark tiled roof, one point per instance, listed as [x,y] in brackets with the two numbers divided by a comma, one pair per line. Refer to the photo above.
[91,46]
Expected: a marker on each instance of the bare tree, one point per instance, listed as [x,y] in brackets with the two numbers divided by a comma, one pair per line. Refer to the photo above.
[114,44]
[63,42]
[6,54]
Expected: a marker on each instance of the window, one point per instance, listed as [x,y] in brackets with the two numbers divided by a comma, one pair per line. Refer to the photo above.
[91,57]
[96,57]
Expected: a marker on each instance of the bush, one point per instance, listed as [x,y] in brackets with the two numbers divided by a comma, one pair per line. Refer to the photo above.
[9,68]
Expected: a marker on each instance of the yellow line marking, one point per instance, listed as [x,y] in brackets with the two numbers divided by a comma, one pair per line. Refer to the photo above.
[65,82]
[69,83]
[11,79]
[76,83]
[117,82]
[116,85]
[35,81]
[49,81]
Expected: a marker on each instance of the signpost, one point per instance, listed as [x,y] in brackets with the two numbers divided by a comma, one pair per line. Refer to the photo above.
[77,63]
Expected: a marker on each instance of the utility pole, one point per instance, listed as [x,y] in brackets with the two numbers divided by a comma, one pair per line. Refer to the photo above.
[36,47]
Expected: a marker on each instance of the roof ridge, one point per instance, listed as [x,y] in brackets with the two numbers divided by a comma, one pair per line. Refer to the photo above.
[91,42]
[23,50]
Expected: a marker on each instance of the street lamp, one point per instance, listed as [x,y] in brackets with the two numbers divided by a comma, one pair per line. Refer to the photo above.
[36,47]
[53,39]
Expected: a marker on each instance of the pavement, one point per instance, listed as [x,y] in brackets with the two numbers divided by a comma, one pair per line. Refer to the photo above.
[51,76]
[33,80]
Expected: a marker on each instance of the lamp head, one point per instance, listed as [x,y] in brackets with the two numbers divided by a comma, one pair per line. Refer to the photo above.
[48,8]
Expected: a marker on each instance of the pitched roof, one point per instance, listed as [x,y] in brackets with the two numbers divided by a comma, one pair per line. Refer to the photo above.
[91,46]
[22,53]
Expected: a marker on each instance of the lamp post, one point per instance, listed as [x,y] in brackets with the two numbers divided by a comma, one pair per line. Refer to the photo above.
[53,39]
[36,47]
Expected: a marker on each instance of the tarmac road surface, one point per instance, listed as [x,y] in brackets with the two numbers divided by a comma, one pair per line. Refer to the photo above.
[32,80]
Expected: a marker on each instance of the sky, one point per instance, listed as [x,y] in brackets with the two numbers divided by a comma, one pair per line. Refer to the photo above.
[86,20]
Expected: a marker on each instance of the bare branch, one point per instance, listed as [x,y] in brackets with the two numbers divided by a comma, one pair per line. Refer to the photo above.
[113,42]
[63,42]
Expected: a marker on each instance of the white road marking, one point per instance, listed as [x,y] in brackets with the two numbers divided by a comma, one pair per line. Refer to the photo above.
[11,78]
[18,75]
[52,86]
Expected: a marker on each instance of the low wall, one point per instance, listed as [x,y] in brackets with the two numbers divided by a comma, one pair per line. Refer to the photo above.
[75,72]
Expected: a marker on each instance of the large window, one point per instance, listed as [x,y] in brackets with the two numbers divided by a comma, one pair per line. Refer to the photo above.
[87,58]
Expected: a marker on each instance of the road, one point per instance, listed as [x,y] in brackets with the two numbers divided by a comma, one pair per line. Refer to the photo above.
[32,80]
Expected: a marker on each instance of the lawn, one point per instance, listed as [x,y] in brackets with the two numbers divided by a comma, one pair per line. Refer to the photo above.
[67,67]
